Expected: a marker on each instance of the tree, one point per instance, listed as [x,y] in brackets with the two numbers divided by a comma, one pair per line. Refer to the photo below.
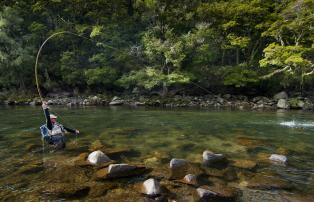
[291,54]
[16,55]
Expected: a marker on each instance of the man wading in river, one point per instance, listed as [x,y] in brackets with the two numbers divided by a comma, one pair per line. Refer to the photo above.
[53,132]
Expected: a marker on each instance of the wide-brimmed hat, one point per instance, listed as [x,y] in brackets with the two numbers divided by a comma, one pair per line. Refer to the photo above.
[53,116]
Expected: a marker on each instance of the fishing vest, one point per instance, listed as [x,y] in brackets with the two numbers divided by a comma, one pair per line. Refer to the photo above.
[57,129]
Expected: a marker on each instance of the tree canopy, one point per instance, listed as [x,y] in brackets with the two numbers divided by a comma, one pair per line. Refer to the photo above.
[158,44]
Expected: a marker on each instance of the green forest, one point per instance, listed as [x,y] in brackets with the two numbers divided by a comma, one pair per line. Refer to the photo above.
[190,46]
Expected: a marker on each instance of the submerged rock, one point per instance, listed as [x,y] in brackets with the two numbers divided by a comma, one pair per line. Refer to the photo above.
[100,189]
[223,191]
[214,160]
[68,174]
[249,142]
[151,187]
[251,195]
[152,161]
[81,160]
[31,168]
[245,164]
[66,190]
[228,174]
[278,158]
[120,170]
[178,168]
[282,151]
[98,157]
[267,182]
[118,153]
[96,145]
[205,194]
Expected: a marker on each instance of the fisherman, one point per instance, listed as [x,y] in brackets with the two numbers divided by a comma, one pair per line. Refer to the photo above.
[53,132]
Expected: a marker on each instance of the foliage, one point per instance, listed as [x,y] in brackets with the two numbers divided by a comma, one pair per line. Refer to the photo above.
[240,76]
[100,76]
[158,45]
[150,78]
[293,32]
[15,53]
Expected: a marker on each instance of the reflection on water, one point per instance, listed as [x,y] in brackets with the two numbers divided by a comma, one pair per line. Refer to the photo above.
[152,137]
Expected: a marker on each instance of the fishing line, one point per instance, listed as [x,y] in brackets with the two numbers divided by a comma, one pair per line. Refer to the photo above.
[44,43]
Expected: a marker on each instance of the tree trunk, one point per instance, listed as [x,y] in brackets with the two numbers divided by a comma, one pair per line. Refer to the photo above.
[164,89]
[237,56]
[130,7]
[223,57]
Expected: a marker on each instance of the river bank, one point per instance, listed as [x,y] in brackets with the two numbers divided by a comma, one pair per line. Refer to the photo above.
[280,100]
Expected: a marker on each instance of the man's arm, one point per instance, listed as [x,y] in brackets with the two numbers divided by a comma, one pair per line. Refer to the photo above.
[71,130]
[47,115]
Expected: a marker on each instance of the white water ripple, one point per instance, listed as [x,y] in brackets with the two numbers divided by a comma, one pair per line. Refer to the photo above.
[297,124]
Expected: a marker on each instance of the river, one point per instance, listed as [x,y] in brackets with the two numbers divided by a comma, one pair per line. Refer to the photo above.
[151,137]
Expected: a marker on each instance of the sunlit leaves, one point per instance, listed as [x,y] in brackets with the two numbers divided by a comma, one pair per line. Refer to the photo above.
[150,78]
[238,41]
[97,30]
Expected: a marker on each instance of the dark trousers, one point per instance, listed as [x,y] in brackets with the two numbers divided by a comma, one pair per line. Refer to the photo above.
[57,141]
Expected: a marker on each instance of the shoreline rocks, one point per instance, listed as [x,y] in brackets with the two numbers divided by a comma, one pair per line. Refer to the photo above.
[279,101]
[283,104]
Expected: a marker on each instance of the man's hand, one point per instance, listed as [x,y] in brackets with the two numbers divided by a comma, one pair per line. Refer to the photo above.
[44,105]
[77,132]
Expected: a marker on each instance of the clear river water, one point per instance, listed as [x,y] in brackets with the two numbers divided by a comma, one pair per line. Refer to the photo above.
[30,171]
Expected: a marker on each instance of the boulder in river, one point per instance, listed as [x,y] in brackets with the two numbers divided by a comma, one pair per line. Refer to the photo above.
[211,159]
[151,187]
[97,158]
[120,170]
[283,104]
[177,163]
[278,158]
[190,179]
[178,168]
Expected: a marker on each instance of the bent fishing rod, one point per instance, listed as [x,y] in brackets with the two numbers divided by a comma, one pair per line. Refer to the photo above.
[42,46]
